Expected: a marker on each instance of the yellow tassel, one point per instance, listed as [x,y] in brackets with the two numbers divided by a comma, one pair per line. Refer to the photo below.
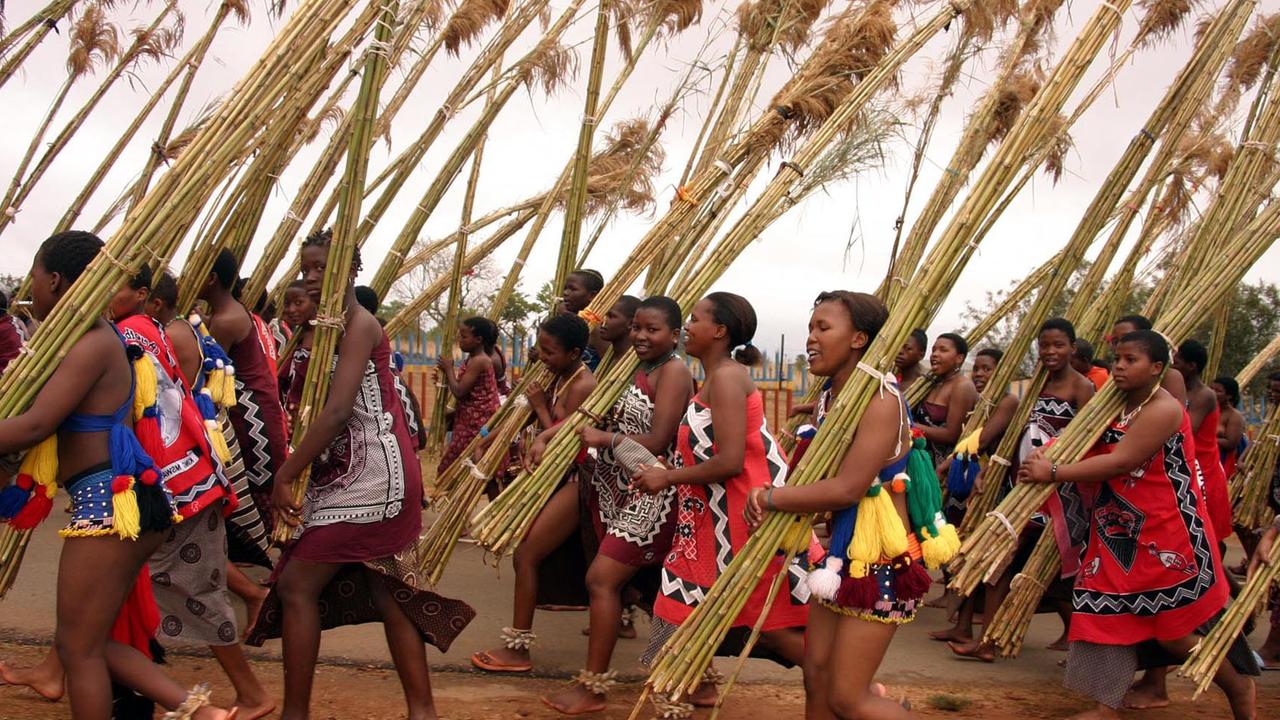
[125,518]
[969,445]
[893,534]
[858,569]
[865,546]
[144,390]
[41,463]
[217,441]
[940,549]
[229,387]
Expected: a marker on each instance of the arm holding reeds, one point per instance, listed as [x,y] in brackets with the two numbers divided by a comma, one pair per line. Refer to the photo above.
[1263,551]
[673,386]
[356,346]
[1146,435]
[879,431]
[727,399]
[460,385]
[66,390]
[996,425]
[569,401]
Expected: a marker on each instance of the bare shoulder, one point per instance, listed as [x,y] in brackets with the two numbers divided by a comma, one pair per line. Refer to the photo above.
[1163,412]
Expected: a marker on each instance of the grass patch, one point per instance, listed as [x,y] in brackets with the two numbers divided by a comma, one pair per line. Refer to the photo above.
[949,703]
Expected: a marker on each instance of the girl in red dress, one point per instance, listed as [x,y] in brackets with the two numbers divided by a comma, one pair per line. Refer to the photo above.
[1151,574]
[474,385]
[724,450]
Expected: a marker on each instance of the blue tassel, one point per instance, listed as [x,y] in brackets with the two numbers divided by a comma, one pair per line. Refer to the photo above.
[12,499]
[960,477]
[204,403]
[842,525]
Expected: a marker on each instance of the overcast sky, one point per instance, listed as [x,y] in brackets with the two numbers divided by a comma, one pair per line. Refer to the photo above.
[837,239]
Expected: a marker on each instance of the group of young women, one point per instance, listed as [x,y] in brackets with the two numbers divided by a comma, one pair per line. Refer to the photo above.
[671,483]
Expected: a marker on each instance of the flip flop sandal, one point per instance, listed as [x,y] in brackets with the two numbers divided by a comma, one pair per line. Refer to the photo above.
[484,661]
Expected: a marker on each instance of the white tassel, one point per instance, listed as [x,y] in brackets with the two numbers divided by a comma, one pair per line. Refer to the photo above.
[825,581]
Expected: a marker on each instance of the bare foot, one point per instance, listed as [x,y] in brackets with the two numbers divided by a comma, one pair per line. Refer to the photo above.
[46,678]
[705,696]
[1145,697]
[209,712]
[942,601]
[975,650]
[1060,644]
[1101,712]
[250,710]
[502,659]
[951,635]
[575,700]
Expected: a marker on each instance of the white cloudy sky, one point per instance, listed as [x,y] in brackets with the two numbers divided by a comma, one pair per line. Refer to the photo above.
[803,253]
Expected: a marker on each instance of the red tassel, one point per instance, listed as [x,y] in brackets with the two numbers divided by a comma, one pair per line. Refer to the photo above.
[149,477]
[25,483]
[147,428]
[120,483]
[34,512]
[860,592]
[910,580]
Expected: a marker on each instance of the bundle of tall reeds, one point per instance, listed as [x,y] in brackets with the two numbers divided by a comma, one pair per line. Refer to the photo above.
[1008,627]
[687,653]
[94,41]
[1258,362]
[34,29]
[187,64]
[1168,123]
[424,12]
[1238,247]
[1250,484]
[502,523]
[1207,656]
[150,231]
[331,313]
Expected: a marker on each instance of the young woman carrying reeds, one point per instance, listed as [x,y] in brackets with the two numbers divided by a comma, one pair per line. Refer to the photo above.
[561,342]
[299,311]
[1231,423]
[352,560]
[1202,406]
[79,432]
[724,451]
[940,416]
[1065,391]
[872,579]
[474,385]
[634,530]
[580,288]
[907,363]
[1151,574]
[993,430]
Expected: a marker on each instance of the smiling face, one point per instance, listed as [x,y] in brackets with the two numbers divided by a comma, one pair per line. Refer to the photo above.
[575,295]
[616,324]
[984,366]
[701,331]
[909,355]
[1134,369]
[299,308]
[945,357]
[1055,349]
[652,336]
[832,338]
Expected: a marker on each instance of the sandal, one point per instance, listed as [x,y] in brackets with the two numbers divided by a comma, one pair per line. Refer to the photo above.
[513,639]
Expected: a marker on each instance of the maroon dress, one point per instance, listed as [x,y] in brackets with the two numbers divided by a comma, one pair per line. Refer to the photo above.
[472,413]
[361,511]
[258,417]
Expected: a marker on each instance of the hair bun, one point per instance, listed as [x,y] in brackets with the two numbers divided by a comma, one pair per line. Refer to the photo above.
[748,355]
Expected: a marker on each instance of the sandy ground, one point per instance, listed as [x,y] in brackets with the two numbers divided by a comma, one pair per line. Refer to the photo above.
[356,682]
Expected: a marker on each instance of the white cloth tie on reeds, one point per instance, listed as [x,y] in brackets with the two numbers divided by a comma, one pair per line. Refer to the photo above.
[1013,533]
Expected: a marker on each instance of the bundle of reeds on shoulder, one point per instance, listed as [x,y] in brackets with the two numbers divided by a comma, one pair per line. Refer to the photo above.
[830,107]
[1207,656]
[1169,123]
[1239,239]
[1250,484]
[1258,362]
[331,313]
[150,232]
